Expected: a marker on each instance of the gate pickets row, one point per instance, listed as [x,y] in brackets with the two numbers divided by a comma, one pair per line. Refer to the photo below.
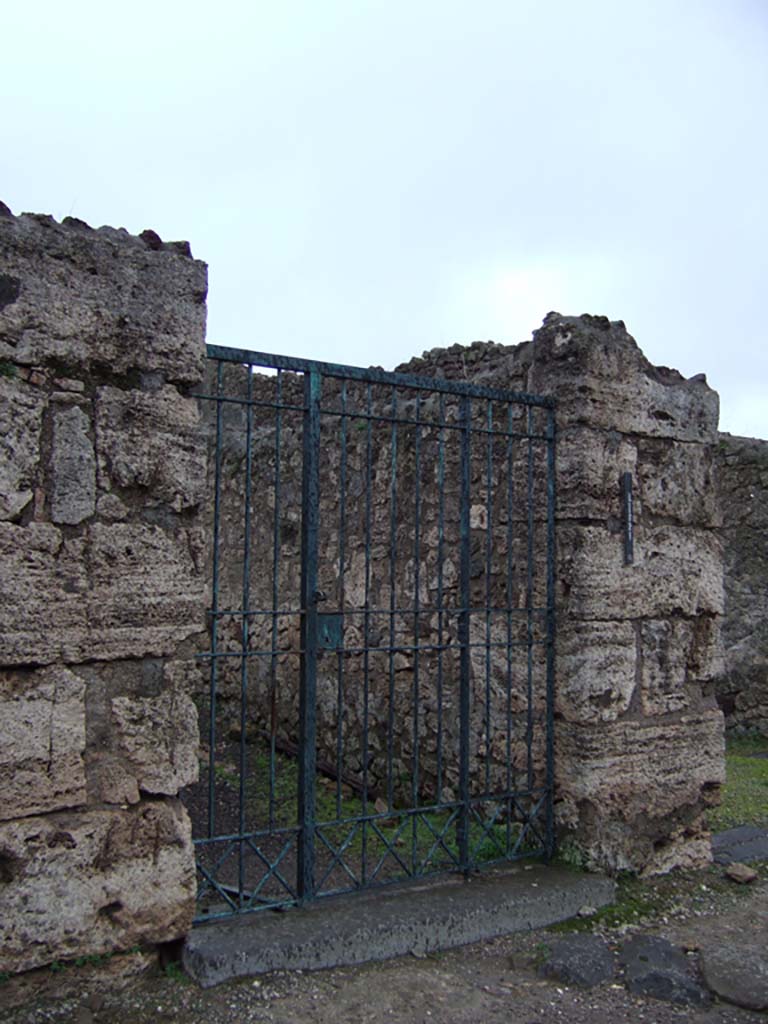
[381,660]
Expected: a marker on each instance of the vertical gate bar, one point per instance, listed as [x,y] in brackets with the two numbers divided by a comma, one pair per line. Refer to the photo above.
[275,600]
[510,602]
[551,540]
[308,667]
[215,611]
[529,602]
[392,602]
[488,552]
[366,623]
[416,630]
[245,633]
[465,410]
[440,556]
[342,555]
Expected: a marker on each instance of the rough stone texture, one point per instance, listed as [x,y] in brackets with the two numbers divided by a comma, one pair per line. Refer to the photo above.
[158,740]
[745,843]
[583,960]
[21,417]
[742,476]
[42,741]
[101,573]
[152,440]
[123,590]
[637,788]
[95,881]
[73,467]
[738,974]
[654,967]
[100,300]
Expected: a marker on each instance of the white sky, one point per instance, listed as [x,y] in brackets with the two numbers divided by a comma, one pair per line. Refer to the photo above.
[371,179]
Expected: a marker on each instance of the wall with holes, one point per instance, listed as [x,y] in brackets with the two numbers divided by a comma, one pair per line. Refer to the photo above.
[102,582]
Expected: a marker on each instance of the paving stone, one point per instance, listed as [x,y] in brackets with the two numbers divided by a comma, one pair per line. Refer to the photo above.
[738,974]
[656,968]
[743,844]
[583,960]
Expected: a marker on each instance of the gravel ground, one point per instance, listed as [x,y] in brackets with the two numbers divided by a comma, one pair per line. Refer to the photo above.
[491,981]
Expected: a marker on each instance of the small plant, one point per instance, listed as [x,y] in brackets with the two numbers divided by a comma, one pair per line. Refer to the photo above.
[175,972]
[541,952]
[4,977]
[7,369]
[572,855]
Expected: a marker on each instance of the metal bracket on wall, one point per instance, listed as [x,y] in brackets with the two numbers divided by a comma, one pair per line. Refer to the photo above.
[627,503]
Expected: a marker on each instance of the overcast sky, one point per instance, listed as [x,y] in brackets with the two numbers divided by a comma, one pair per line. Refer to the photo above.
[371,179]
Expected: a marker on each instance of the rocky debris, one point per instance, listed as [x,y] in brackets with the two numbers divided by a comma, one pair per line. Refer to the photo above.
[741,873]
[738,974]
[743,844]
[654,967]
[584,960]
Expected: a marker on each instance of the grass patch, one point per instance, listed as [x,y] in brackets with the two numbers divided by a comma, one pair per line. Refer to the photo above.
[745,794]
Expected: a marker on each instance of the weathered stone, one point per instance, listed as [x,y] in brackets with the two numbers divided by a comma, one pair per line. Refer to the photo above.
[21,417]
[138,591]
[42,741]
[589,467]
[43,580]
[93,882]
[620,782]
[738,974]
[101,300]
[597,663]
[677,656]
[654,967]
[158,740]
[152,440]
[742,476]
[601,378]
[583,960]
[677,480]
[73,467]
[675,572]
[741,873]
[744,843]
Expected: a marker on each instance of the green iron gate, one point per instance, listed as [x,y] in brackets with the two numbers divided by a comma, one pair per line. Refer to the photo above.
[381,659]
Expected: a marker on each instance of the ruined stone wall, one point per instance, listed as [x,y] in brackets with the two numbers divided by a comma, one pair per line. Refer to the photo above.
[742,475]
[102,580]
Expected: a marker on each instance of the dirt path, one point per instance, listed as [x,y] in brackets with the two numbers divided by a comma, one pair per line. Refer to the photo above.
[486,982]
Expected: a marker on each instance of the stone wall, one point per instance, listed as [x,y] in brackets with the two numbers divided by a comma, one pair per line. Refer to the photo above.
[104,556]
[742,474]
[102,582]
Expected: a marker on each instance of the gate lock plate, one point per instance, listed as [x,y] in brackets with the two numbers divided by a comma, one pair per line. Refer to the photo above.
[329,631]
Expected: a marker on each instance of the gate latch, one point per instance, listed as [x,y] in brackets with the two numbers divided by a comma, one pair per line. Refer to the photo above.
[329,630]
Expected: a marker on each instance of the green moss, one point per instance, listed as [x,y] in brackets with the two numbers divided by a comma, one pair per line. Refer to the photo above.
[7,369]
[634,900]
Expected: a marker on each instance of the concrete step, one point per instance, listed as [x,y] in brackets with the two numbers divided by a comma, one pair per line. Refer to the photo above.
[414,918]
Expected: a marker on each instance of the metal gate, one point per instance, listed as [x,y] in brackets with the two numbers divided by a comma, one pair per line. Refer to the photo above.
[381,660]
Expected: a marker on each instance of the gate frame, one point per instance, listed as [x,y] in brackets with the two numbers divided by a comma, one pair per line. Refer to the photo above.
[314,372]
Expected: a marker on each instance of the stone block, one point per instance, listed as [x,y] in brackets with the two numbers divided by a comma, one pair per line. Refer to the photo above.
[120,590]
[677,480]
[589,464]
[152,440]
[94,882]
[42,741]
[596,668]
[633,791]
[73,466]
[602,379]
[101,300]
[675,571]
[21,418]
[677,656]
[157,739]
[43,582]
